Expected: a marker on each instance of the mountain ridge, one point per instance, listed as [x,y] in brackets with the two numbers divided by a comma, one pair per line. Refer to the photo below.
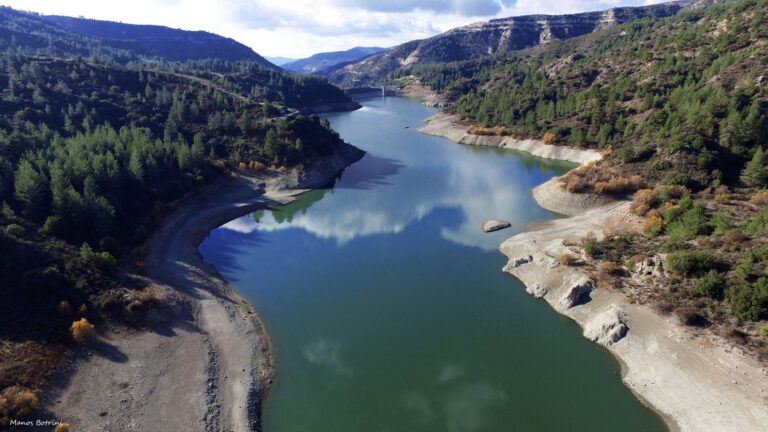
[493,37]
[324,60]
[160,41]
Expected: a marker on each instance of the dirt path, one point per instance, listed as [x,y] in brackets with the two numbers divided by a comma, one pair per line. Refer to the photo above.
[206,363]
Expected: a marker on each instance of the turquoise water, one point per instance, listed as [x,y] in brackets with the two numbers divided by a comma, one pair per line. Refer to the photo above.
[387,305]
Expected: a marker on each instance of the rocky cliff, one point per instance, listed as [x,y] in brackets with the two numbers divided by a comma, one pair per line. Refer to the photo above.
[497,36]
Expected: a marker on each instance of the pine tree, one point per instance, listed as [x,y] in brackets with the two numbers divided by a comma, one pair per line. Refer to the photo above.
[136,166]
[32,191]
[6,179]
[755,174]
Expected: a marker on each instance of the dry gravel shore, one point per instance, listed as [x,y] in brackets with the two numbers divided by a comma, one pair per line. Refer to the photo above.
[696,382]
[206,363]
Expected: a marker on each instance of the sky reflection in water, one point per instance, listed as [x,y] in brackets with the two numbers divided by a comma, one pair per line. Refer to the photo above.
[409,186]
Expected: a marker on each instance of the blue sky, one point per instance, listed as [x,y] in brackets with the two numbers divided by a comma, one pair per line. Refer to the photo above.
[298,28]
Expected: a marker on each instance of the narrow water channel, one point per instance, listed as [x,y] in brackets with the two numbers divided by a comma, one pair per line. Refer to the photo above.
[387,304]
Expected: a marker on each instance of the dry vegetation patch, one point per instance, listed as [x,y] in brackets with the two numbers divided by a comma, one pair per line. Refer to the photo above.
[601,179]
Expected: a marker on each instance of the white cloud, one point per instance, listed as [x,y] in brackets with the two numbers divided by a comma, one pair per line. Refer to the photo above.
[298,28]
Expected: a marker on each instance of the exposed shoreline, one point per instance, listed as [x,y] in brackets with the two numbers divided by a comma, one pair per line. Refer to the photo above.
[447,126]
[695,382]
[207,363]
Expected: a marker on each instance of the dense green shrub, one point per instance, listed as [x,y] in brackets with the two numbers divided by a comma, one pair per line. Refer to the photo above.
[690,262]
[758,225]
[676,178]
[755,173]
[15,230]
[590,248]
[102,260]
[689,224]
[748,301]
[721,222]
[711,285]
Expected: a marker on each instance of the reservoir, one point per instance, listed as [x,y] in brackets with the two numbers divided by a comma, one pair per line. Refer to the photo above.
[387,305]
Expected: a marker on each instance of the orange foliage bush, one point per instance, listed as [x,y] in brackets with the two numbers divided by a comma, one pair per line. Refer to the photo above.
[644,201]
[479,130]
[568,260]
[256,165]
[16,402]
[548,138]
[82,330]
[653,224]
[61,427]
[759,198]
[673,191]
[600,179]
[619,184]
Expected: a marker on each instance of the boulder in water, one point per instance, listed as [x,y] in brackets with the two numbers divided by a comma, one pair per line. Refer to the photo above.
[495,225]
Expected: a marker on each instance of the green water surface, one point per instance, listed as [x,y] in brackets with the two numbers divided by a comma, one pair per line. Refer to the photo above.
[387,304]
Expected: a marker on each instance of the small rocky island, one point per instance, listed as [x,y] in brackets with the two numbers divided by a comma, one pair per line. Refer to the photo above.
[495,225]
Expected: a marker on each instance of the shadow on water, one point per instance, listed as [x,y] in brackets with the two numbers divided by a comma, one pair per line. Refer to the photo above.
[230,244]
[370,172]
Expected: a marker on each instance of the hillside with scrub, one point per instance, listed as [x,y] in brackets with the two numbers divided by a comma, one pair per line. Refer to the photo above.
[677,106]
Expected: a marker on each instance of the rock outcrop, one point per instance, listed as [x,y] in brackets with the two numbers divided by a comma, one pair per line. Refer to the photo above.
[608,327]
[578,294]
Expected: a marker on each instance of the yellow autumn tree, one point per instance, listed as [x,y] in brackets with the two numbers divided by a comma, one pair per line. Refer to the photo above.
[548,138]
[654,224]
[82,330]
[61,427]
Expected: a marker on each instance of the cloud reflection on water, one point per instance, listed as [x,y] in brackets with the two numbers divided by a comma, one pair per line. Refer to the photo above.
[413,175]
[409,194]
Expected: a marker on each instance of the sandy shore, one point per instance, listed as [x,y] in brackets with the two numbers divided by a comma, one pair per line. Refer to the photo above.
[696,382]
[448,126]
[206,364]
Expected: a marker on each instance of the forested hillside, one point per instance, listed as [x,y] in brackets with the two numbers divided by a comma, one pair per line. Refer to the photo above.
[678,106]
[33,35]
[158,41]
[95,144]
[682,98]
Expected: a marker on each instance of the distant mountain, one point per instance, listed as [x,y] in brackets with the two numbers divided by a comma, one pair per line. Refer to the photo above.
[321,61]
[496,36]
[279,61]
[41,38]
[159,41]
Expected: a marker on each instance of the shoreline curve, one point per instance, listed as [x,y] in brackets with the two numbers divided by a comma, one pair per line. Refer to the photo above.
[693,382]
[206,362]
